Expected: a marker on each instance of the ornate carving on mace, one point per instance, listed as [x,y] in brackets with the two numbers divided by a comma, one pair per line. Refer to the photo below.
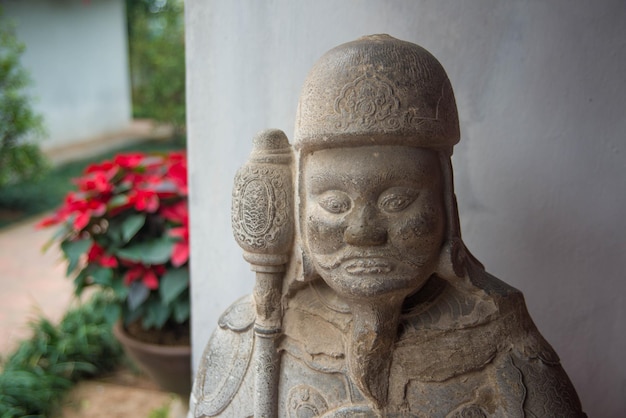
[262,218]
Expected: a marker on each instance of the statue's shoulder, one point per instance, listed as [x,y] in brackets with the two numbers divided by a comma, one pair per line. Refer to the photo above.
[488,315]
[223,373]
[549,391]
[511,317]
[453,328]
[239,316]
[475,325]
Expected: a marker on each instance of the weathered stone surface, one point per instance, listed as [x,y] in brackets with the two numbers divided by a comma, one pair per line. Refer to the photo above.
[367,302]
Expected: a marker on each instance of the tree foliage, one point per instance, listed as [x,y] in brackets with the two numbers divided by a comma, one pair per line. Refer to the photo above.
[157,60]
[20,157]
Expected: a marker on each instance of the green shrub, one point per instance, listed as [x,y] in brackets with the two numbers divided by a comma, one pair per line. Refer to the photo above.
[20,158]
[37,375]
[162,412]
[157,60]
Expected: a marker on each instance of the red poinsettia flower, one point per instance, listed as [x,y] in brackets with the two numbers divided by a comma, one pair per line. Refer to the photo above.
[149,275]
[144,200]
[105,166]
[177,213]
[82,210]
[129,160]
[97,254]
[177,172]
[122,206]
[177,156]
[96,182]
[131,179]
[47,221]
[180,250]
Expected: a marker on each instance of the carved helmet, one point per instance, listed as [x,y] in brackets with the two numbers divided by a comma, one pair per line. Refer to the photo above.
[377,90]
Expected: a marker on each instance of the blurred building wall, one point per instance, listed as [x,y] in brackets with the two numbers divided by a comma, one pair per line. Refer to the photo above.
[77,56]
[539,171]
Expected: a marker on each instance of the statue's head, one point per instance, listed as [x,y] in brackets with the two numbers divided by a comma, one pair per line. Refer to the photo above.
[374,133]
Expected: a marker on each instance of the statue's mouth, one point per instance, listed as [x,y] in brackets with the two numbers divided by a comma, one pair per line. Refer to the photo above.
[370,265]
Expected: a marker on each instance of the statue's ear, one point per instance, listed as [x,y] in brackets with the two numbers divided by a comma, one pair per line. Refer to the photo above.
[452,259]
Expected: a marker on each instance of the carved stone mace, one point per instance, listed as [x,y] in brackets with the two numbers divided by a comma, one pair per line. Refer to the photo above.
[262,218]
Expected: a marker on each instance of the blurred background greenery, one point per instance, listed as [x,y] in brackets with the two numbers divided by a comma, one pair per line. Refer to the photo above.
[156,48]
[20,159]
[156,42]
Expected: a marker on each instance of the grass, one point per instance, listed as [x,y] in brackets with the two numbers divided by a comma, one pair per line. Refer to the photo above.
[23,200]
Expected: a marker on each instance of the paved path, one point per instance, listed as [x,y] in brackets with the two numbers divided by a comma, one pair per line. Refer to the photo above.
[32,282]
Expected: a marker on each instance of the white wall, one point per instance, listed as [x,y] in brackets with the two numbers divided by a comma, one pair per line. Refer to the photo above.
[540,171]
[77,56]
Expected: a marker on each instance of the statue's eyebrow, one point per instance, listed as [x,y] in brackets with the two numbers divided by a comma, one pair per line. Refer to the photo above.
[327,177]
[325,181]
[384,177]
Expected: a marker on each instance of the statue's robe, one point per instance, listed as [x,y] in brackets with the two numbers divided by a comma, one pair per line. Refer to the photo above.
[468,349]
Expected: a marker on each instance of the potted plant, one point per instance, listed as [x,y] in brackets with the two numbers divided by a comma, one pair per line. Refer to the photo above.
[125,230]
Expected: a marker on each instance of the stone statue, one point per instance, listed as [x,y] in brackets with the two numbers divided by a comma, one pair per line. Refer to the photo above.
[367,303]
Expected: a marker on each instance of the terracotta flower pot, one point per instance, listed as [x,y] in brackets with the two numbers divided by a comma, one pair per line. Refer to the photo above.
[169,366]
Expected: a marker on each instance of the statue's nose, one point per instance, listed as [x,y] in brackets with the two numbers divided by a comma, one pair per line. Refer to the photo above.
[364,231]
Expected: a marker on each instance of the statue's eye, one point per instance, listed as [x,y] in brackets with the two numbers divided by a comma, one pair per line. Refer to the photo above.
[396,199]
[335,201]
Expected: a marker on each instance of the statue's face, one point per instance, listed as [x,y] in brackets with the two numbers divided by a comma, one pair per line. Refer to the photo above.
[373,218]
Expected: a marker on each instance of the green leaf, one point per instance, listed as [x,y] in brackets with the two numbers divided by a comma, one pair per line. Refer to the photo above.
[131,226]
[173,283]
[182,311]
[58,235]
[132,316]
[137,294]
[114,234]
[156,315]
[73,250]
[157,251]
[80,282]
[102,276]
[118,200]
[119,288]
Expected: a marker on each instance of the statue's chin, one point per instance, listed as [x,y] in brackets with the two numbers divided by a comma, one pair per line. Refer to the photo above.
[372,278]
